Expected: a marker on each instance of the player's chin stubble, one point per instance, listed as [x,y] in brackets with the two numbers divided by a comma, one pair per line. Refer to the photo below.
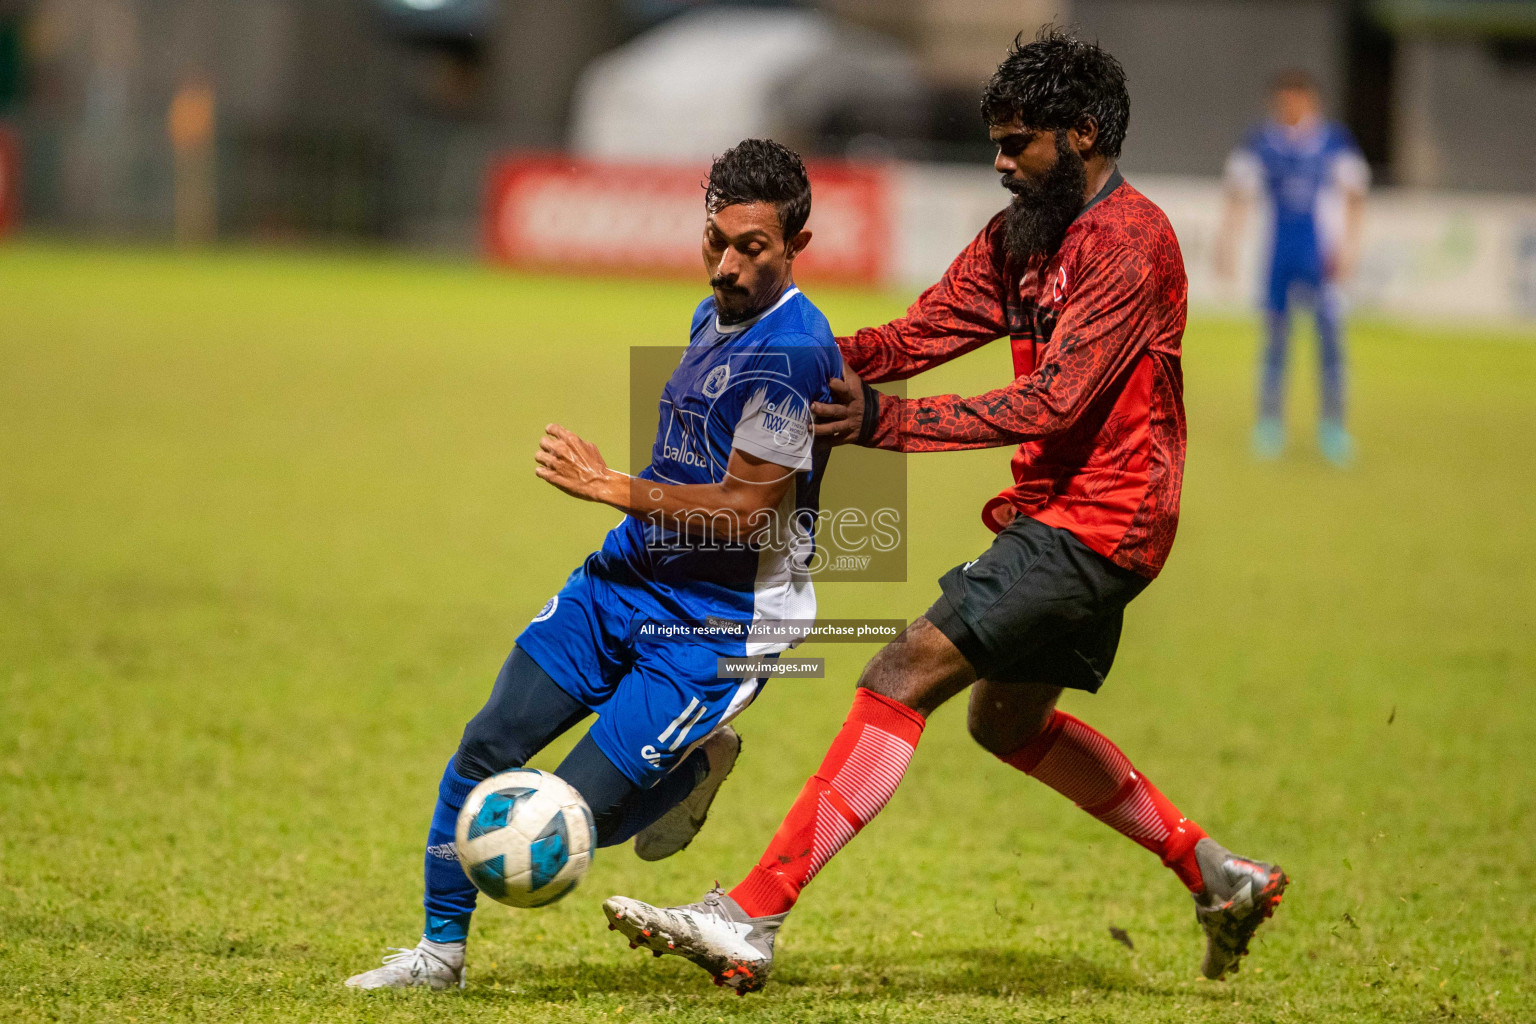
[1041,211]
[732,304]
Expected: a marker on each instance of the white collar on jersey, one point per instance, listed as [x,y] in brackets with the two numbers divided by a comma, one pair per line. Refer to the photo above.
[789,293]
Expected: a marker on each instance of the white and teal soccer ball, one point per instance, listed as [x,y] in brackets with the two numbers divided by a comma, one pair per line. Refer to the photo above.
[525,837]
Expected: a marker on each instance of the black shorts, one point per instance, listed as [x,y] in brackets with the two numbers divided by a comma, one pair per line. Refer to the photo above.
[1039,606]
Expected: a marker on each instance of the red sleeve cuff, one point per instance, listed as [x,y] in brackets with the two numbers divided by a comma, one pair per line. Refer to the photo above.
[886,431]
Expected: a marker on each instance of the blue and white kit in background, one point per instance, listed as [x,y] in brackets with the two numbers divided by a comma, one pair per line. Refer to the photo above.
[1304,173]
[747,386]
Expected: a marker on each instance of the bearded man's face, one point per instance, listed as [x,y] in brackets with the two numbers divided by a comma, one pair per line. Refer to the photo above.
[1044,203]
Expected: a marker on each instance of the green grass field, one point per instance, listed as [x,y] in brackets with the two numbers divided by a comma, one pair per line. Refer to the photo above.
[268,525]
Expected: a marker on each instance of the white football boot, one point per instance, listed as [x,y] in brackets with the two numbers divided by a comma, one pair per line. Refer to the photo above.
[436,965]
[714,933]
[1240,895]
[673,831]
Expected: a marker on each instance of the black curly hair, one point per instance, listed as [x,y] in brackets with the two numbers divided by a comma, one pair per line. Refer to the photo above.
[1057,81]
[761,171]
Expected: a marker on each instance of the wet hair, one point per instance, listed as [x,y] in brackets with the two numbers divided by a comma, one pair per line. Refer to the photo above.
[761,171]
[1057,81]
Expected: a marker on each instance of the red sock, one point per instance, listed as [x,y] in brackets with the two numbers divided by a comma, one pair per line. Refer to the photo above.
[1085,767]
[860,772]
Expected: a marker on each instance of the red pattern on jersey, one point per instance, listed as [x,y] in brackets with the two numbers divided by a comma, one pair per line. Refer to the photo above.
[1096,405]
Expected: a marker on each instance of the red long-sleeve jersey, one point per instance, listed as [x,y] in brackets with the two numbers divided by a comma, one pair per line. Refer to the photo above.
[1096,404]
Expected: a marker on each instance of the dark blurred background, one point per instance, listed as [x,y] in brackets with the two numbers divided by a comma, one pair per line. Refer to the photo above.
[377,118]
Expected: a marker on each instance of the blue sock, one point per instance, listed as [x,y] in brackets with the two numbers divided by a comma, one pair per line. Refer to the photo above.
[450,895]
[1272,380]
[648,805]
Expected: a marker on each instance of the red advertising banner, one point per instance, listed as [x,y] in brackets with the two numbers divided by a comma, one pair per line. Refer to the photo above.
[10,180]
[564,213]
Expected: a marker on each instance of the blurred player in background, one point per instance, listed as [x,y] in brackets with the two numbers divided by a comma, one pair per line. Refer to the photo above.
[1313,179]
[1083,274]
[717,535]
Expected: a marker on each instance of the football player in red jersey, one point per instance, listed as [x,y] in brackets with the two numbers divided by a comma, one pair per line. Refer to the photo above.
[1084,276]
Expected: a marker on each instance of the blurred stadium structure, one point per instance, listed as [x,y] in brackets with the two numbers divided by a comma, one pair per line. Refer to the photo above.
[387,119]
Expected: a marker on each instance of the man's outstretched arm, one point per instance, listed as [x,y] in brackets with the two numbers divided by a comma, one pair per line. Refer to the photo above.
[1107,325]
[966,309]
[738,505]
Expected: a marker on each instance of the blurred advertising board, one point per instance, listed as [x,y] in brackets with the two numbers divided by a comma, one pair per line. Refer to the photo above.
[565,213]
[1441,255]
[1431,254]
[10,180]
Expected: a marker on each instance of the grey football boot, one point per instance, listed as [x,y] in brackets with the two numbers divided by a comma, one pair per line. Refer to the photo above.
[673,831]
[714,933]
[1239,896]
[428,965]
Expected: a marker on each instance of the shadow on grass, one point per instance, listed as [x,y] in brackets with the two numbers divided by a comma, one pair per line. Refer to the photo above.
[861,975]
[980,972]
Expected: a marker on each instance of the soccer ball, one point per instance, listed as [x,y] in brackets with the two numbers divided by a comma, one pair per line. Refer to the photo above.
[525,837]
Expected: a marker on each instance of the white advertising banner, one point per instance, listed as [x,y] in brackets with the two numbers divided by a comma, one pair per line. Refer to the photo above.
[1437,256]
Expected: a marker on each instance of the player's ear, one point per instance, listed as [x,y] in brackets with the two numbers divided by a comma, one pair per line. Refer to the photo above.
[1087,132]
[797,244]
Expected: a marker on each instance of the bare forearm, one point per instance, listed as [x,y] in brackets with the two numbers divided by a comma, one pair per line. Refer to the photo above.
[733,508]
[720,511]
[1234,215]
[648,499]
[1354,223]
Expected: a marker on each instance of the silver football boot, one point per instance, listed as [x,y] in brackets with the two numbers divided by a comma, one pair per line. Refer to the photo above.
[1239,896]
[673,831]
[714,933]
[428,965]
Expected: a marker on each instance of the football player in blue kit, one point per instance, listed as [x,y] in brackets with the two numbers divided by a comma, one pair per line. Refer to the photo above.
[716,540]
[1314,181]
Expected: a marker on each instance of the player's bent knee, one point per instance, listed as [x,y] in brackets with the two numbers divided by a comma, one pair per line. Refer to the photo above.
[986,733]
[921,668]
[1001,738]
[479,757]
[1002,717]
[526,709]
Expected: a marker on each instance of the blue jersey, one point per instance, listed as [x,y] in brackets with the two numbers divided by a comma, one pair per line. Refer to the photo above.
[1302,172]
[746,386]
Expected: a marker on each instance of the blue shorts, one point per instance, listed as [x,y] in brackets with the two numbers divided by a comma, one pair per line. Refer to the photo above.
[1305,281]
[655,700]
